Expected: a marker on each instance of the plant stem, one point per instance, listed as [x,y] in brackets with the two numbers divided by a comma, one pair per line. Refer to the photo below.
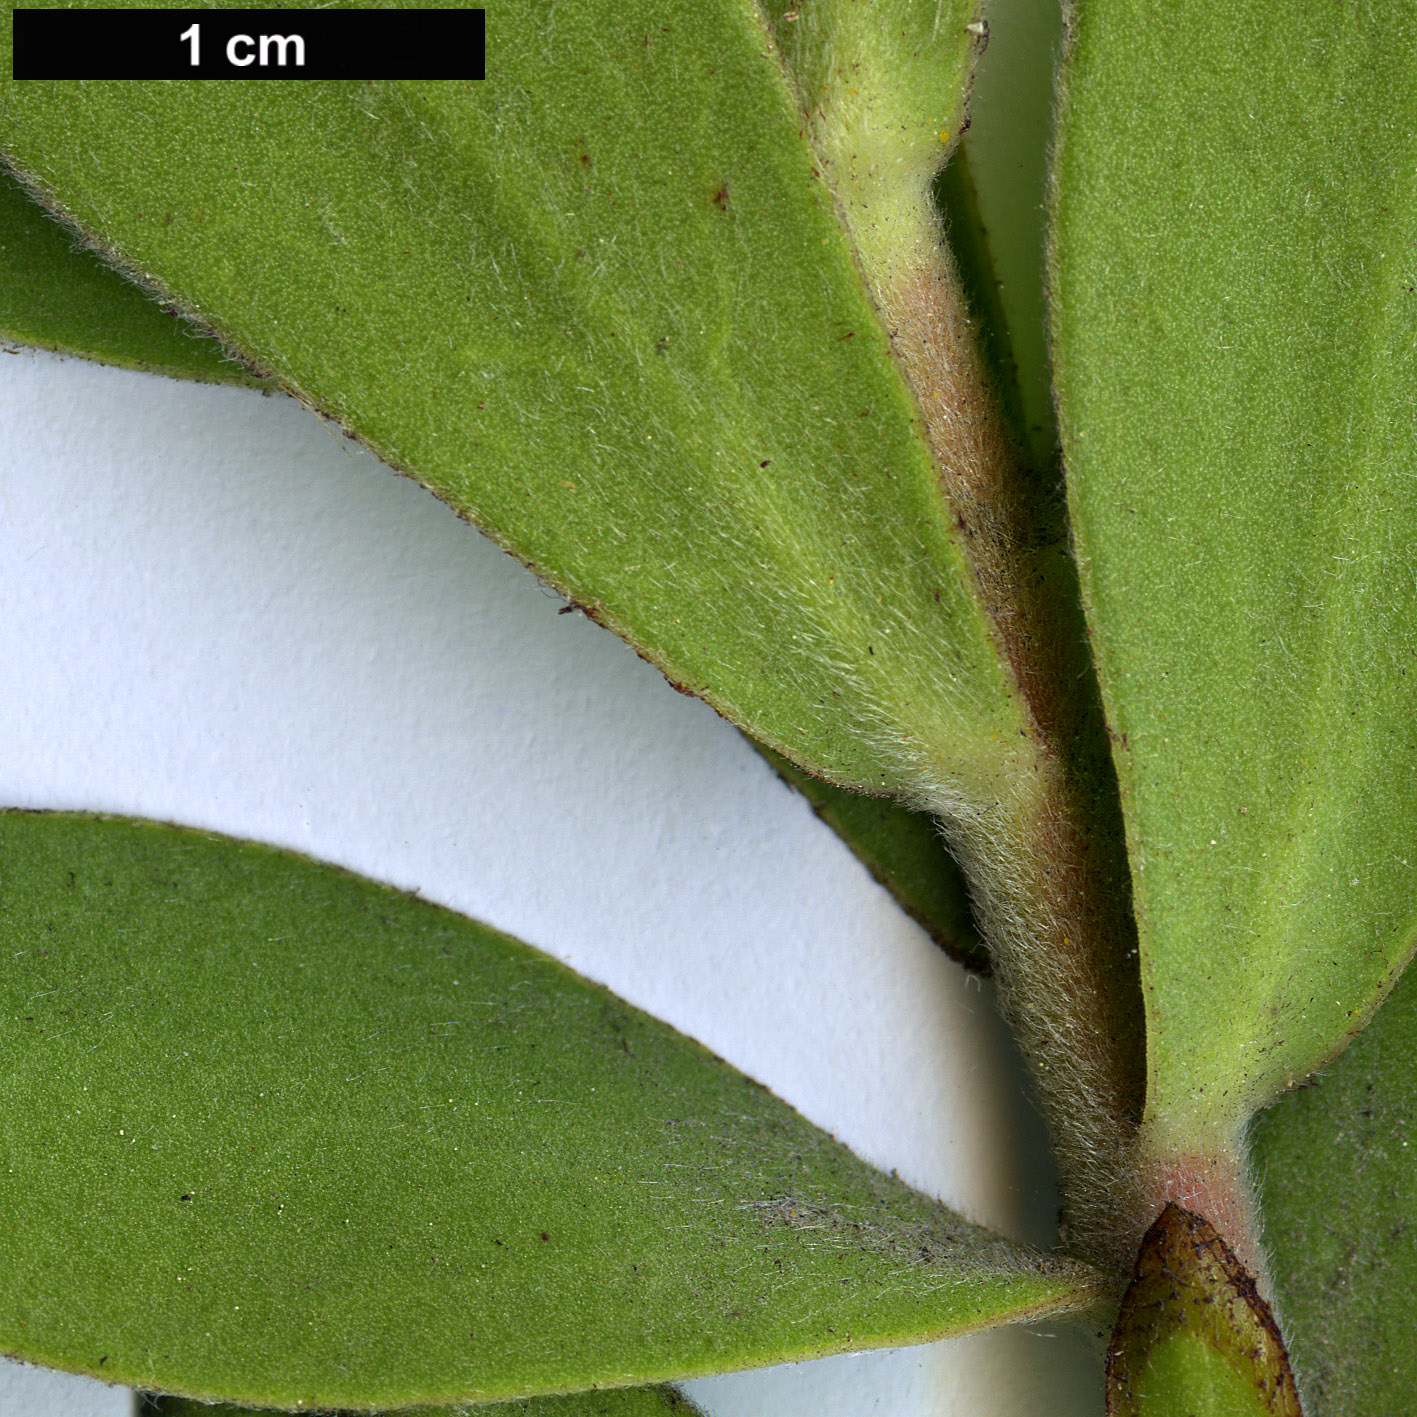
[1046,860]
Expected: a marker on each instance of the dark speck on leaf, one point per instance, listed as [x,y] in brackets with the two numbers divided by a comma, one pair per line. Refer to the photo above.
[544,1235]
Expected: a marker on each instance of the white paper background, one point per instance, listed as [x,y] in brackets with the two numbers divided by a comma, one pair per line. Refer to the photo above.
[218,612]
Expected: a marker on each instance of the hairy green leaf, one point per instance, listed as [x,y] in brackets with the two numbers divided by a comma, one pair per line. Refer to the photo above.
[1337,1170]
[59,297]
[666,310]
[620,1402]
[281,1136]
[55,296]
[604,304]
[1235,313]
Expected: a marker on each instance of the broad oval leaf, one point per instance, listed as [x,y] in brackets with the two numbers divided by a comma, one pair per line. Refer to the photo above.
[1234,331]
[281,1136]
[1336,1165]
[604,304]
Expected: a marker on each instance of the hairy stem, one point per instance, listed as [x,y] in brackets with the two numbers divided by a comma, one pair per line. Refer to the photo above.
[1217,1186]
[1042,843]
[1046,861]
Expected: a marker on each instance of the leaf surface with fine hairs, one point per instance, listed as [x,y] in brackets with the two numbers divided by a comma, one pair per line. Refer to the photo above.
[605,305]
[57,296]
[1336,1165]
[292,1137]
[1236,344]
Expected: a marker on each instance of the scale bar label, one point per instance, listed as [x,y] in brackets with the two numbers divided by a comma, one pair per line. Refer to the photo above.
[249,44]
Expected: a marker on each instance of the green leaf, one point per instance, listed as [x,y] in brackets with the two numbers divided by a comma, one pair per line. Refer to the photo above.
[1235,313]
[1194,1338]
[280,1136]
[1337,1170]
[603,303]
[59,297]
[904,852]
[621,1402]
[56,297]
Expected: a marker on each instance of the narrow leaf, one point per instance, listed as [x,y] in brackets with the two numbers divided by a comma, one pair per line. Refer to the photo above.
[57,296]
[280,1136]
[1337,1170]
[1234,325]
[1194,1338]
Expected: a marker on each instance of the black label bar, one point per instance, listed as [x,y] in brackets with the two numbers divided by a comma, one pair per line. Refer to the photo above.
[249,44]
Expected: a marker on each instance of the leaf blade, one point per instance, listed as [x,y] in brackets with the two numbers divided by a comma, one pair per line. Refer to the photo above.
[651,226]
[1335,1175]
[406,1159]
[53,296]
[1233,344]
